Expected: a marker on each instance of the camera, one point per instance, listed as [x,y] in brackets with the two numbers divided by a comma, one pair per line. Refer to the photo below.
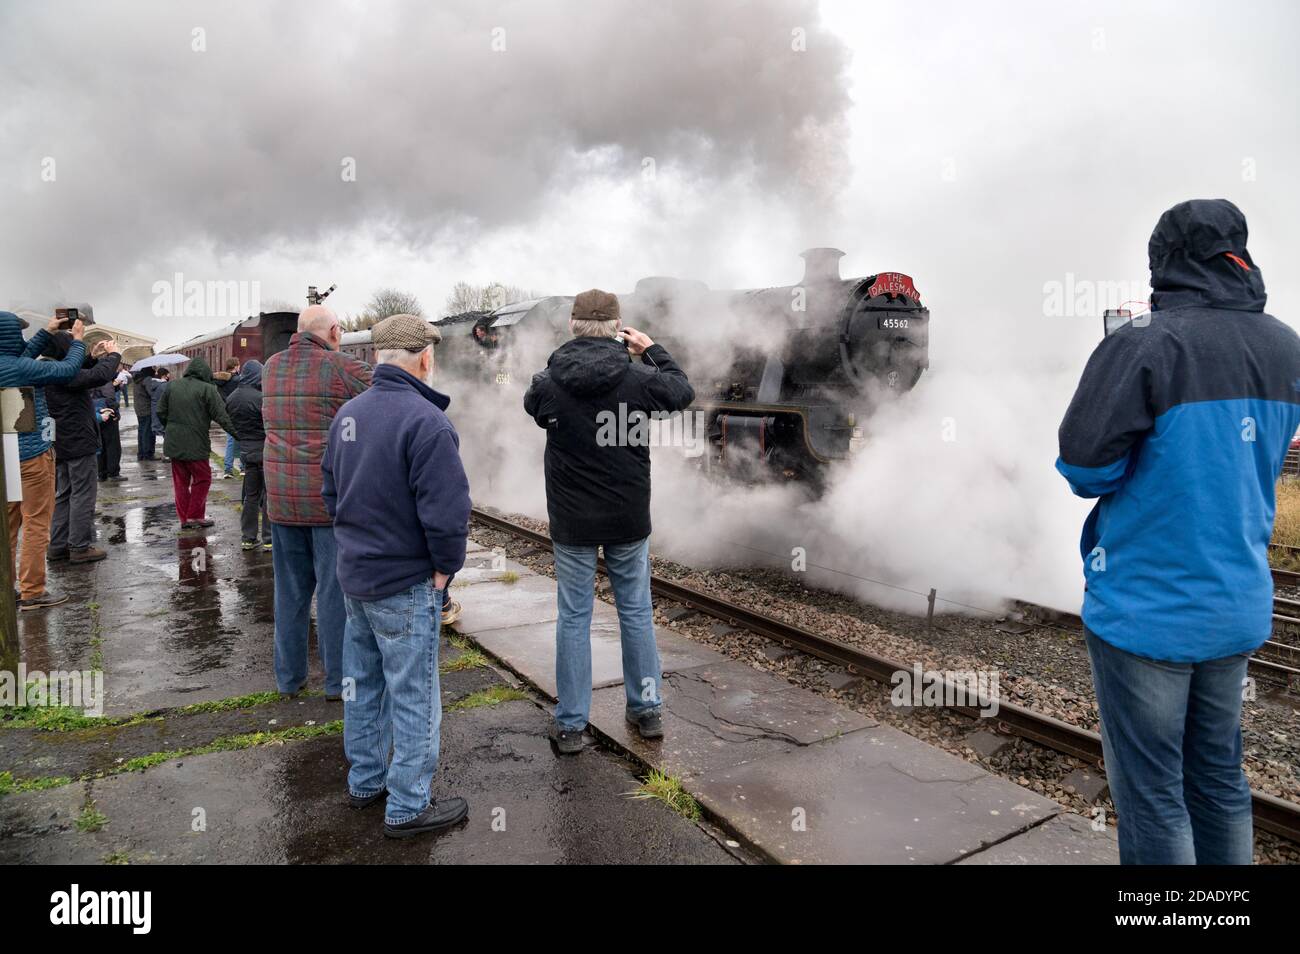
[67,317]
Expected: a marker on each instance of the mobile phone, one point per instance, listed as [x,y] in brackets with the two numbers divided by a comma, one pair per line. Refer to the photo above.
[1114,319]
[67,317]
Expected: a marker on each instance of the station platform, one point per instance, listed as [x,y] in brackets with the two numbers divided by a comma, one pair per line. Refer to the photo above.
[796,777]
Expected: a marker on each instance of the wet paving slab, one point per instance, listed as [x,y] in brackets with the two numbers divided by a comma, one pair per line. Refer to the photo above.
[96,750]
[277,804]
[1067,839]
[722,715]
[875,796]
[529,650]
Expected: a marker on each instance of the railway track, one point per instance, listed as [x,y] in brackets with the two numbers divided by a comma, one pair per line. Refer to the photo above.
[1279,663]
[1272,814]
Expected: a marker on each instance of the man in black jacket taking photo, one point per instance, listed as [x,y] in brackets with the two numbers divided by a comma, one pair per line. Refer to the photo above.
[76,444]
[598,496]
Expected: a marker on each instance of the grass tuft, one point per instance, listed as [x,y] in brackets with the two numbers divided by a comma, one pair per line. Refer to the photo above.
[490,696]
[468,659]
[668,790]
[13,786]
[91,819]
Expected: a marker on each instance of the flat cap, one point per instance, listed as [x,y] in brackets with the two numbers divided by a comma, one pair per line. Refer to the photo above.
[595,305]
[404,333]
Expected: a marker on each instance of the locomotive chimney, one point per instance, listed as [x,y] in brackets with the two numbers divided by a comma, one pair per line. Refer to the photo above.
[821,265]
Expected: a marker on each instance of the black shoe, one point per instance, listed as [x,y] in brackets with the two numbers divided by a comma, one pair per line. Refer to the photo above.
[650,724]
[204,523]
[441,814]
[117,477]
[567,741]
[365,801]
[41,602]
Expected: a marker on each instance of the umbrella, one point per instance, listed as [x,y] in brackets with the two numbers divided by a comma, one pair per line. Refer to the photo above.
[159,361]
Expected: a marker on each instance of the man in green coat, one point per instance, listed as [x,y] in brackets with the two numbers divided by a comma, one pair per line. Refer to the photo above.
[187,409]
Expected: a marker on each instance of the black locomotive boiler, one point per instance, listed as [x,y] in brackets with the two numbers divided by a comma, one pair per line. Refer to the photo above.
[783,376]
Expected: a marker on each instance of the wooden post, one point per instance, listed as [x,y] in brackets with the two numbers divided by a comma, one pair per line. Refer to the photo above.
[929,613]
[10,651]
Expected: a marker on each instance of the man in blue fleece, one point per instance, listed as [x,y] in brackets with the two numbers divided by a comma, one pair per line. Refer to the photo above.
[395,488]
[1180,426]
[19,368]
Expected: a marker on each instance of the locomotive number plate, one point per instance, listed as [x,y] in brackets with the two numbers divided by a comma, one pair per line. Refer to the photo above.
[892,323]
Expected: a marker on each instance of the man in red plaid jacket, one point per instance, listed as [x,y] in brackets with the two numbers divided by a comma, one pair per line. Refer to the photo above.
[302,389]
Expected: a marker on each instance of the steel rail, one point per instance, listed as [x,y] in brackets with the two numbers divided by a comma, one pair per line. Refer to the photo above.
[1271,814]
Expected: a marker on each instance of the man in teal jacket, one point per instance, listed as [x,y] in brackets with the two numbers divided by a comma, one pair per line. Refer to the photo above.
[19,368]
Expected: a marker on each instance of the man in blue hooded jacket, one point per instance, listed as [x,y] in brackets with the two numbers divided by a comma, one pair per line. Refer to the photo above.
[19,368]
[1180,426]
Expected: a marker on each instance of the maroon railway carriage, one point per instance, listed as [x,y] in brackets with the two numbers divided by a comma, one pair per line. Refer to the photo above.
[254,338]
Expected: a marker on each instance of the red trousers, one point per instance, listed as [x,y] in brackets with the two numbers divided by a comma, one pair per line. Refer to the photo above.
[190,482]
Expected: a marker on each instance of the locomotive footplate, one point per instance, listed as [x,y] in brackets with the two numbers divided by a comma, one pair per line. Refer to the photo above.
[781,435]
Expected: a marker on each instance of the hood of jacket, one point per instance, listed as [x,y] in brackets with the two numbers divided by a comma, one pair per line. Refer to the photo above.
[1198,257]
[588,366]
[199,370]
[250,375]
[11,334]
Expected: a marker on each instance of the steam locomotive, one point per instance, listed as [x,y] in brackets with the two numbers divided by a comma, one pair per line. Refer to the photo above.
[784,376]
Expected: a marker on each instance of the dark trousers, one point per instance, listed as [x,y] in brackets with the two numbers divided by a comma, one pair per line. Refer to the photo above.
[74,503]
[144,438]
[190,482]
[110,449]
[254,503]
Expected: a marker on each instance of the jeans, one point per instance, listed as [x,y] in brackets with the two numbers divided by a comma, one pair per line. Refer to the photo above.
[303,559]
[191,480]
[575,574]
[1171,735]
[32,516]
[391,653]
[74,503]
[253,505]
[231,446]
[144,437]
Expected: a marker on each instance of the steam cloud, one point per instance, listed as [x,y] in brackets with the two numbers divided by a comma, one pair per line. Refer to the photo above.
[239,148]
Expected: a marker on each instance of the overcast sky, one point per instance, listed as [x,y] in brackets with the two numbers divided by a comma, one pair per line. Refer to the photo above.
[985,149]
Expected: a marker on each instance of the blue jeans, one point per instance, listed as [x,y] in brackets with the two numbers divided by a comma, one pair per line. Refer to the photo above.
[575,574]
[1171,734]
[231,445]
[391,654]
[303,559]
